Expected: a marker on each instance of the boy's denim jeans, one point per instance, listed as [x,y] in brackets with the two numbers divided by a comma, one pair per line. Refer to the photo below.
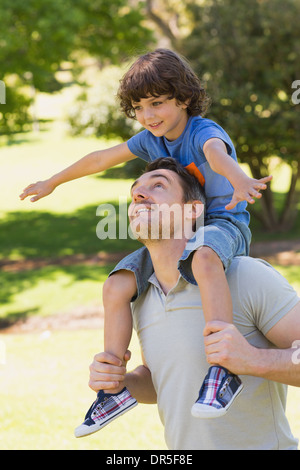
[227,237]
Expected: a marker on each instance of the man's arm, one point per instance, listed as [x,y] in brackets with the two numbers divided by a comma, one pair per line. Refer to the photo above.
[92,163]
[226,346]
[245,188]
[107,372]
[140,385]
[284,364]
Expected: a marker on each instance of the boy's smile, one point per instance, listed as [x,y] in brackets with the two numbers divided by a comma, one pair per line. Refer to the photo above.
[162,116]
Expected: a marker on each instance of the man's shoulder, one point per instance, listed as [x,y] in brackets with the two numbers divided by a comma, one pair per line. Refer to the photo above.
[256,276]
[250,270]
[248,263]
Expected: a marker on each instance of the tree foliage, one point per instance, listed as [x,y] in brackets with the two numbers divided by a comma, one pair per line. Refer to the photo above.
[36,36]
[248,53]
[96,112]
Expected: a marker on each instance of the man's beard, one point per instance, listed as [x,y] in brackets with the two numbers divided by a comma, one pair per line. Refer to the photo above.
[163,223]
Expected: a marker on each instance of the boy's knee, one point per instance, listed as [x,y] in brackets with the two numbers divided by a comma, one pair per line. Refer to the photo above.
[206,255]
[120,285]
[206,259]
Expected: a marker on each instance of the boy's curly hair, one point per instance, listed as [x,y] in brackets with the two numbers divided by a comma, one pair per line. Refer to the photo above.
[162,72]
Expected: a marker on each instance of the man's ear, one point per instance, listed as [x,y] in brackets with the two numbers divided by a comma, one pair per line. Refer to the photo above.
[198,208]
[194,209]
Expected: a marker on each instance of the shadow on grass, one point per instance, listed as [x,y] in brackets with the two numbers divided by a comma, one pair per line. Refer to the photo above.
[13,284]
[26,235]
[49,236]
[15,317]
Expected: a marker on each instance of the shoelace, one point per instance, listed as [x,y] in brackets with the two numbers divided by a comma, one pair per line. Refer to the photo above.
[224,387]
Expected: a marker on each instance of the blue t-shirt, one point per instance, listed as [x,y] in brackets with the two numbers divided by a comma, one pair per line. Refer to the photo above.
[187,149]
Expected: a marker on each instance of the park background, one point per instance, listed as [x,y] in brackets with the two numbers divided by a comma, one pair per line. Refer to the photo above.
[61,63]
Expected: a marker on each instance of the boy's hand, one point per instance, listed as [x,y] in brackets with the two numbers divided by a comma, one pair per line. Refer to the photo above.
[39,189]
[248,190]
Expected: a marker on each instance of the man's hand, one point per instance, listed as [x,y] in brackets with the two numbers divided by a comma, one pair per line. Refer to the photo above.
[39,189]
[247,190]
[107,371]
[227,347]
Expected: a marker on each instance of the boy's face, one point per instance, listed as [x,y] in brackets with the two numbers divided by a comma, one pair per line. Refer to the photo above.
[162,116]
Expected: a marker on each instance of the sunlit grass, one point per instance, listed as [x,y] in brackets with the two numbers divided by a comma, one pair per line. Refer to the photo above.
[46,396]
[292,273]
[39,156]
[50,290]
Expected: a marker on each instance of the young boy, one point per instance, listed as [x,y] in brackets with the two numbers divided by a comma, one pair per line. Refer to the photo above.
[162,92]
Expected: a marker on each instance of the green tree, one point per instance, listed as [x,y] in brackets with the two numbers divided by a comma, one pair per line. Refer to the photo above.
[248,53]
[37,36]
[96,111]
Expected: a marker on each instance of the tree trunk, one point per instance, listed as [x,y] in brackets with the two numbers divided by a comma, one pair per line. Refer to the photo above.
[268,216]
[289,209]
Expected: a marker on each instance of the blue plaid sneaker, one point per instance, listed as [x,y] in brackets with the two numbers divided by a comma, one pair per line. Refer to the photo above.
[106,408]
[217,393]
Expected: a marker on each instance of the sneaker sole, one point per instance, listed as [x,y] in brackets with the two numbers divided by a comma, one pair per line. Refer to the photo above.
[84,430]
[210,412]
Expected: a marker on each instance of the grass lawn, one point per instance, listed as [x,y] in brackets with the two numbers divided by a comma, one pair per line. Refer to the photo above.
[62,224]
[46,396]
[50,290]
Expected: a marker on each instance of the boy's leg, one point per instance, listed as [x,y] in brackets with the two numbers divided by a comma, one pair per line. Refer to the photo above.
[208,271]
[118,291]
[220,387]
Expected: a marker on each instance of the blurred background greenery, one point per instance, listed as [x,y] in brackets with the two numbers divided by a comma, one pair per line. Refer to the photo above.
[61,63]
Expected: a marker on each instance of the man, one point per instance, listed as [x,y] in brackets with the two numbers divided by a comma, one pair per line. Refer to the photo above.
[169,322]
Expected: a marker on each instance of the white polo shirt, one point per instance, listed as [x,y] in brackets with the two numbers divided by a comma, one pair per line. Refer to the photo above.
[170,329]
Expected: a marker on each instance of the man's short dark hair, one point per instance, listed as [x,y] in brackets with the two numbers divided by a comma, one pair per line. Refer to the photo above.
[192,189]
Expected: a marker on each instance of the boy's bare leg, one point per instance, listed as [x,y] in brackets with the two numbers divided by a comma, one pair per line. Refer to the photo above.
[220,387]
[118,291]
[209,274]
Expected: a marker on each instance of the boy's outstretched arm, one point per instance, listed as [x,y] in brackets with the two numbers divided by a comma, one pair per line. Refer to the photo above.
[94,162]
[245,188]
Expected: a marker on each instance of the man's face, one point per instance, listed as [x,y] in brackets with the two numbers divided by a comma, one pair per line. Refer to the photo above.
[157,210]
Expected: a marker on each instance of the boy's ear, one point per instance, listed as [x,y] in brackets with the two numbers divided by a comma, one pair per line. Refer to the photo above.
[183,105]
[186,103]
